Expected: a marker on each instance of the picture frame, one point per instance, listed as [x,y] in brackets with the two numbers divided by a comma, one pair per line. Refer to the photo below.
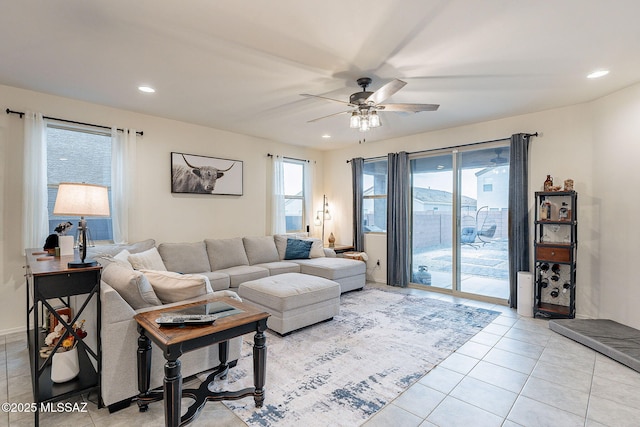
[196,174]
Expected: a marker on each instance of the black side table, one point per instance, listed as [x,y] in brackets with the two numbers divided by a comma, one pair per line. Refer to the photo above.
[49,279]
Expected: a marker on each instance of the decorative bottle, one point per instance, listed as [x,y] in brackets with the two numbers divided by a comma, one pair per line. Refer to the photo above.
[548,183]
[545,210]
[563,213]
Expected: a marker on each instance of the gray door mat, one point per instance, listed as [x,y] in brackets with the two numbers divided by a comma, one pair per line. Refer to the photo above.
[617,341]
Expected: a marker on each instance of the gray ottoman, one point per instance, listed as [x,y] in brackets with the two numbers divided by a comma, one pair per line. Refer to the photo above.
[294,300]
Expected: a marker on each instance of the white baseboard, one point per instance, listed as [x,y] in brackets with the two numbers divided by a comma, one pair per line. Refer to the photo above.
[4,332]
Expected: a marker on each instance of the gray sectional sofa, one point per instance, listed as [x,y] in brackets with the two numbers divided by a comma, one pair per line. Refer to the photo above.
[229,262]
[226,263]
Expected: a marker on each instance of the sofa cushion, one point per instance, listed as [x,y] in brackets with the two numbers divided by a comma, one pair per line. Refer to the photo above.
[260,249]
[244,273]
[280,267]
[147,260]
[112,250]
[297,249]
[225,253]
[219,281]
[132,286]
[332,268]
[170,286]
[185,257]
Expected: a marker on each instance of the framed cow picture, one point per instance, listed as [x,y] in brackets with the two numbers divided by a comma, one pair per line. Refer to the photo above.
[191,173]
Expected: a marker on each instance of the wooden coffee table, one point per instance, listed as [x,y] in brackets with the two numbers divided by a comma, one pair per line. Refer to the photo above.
[174,341]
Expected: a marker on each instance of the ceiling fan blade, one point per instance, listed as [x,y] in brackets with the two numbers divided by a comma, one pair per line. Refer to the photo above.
[324,97]
[330,115]
[411,108]
[386,91]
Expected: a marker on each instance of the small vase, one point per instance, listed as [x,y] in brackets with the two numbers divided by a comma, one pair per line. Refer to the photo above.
[65,366]
[332,240]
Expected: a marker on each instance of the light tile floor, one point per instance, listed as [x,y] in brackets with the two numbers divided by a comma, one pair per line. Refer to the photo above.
[516,372]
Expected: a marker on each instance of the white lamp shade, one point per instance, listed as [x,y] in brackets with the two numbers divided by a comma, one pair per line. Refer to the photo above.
[82,200]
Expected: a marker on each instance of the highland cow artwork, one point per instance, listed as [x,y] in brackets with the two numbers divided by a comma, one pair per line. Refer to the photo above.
[196,174]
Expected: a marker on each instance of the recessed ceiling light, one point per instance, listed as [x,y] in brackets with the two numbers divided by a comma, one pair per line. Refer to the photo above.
[597,74]
[146,89]
[326,136]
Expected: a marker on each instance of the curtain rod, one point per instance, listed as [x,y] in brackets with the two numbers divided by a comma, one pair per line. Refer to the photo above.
[290,158]
[70,121]
[527,135]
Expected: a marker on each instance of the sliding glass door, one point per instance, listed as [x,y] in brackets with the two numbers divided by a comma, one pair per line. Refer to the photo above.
[459,221]
[432,212]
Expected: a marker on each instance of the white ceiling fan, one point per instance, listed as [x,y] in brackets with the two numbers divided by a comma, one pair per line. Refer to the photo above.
[365,105]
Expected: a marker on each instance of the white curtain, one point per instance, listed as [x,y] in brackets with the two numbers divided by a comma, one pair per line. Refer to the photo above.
[123,159]
[35,227]
[278,220]
[309,172]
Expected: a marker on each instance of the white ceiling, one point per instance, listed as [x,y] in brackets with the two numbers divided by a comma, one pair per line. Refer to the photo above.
[241,65]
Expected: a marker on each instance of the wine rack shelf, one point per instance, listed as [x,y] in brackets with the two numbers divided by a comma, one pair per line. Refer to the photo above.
[556,242]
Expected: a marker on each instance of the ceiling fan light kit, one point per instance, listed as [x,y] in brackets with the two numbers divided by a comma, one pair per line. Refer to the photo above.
[367,104]
[364,120]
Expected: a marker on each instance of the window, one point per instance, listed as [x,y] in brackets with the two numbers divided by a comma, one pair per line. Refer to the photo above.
[374,203]
[294,195]
[487,188]
[78,155]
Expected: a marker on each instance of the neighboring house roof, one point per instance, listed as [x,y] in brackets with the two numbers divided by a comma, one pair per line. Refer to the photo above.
[431,196]
[490,169]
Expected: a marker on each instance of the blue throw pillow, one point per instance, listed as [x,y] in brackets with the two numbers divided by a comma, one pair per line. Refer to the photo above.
[298,249]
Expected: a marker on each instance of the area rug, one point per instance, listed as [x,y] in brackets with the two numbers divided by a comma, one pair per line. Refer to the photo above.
[342,371]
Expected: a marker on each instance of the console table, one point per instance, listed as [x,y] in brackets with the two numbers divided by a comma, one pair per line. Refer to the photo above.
[339,248]
[174,341]
[50,279]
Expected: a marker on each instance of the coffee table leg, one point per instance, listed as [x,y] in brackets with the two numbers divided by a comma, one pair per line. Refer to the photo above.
[144,366]
[172,392]
[259,363]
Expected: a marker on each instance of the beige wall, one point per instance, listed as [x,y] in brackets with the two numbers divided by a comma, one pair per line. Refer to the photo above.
[156,213]
[597,144]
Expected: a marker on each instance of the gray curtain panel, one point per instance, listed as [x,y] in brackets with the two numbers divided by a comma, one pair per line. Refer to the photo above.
[356,179]
[518,212]
[398,263]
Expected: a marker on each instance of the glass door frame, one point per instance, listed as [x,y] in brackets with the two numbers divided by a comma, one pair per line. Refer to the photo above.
[455,230]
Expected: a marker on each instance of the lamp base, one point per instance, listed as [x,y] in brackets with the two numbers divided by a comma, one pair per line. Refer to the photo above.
[83,264]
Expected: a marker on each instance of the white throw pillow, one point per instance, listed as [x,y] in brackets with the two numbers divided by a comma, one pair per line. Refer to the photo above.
[175,287]
[123,257]
[317,251]
[147,260]
[132,285]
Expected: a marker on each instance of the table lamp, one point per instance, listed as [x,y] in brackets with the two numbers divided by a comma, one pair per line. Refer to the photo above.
[82,200]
